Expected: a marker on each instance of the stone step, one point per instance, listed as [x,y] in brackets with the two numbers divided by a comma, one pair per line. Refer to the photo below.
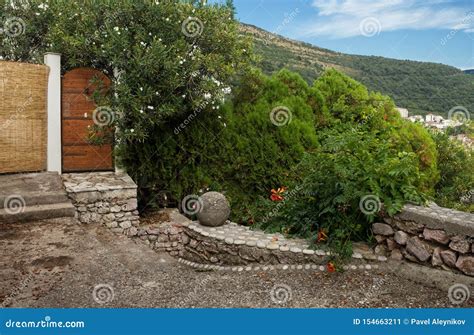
[33,199]
[37,212]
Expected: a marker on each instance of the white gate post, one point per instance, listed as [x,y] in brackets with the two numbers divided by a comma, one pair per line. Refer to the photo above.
[53,60]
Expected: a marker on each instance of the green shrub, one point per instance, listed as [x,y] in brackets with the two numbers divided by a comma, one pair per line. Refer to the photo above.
[236,148]
[367,156]
[455,163]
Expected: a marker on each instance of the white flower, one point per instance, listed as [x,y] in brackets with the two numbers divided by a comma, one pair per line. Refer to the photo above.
[132,130]
[116,28]
[151,107]
[141,111]
[226,90]
[207,96]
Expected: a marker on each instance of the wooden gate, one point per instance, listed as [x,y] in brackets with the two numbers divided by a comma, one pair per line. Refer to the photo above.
[78,153]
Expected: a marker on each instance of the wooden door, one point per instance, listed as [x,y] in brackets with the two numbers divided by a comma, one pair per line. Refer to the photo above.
[79,112]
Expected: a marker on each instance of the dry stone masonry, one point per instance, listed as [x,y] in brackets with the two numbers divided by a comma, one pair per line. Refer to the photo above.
[433,236]
[104,197]
[231,246]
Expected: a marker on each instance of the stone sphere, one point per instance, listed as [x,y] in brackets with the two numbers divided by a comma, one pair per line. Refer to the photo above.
[215,209]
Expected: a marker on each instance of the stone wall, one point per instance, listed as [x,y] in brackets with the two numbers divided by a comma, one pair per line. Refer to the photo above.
[105,198]
[432,236]
[166,236]
[232,244]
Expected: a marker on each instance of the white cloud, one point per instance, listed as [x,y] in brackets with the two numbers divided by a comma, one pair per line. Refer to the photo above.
[342,18]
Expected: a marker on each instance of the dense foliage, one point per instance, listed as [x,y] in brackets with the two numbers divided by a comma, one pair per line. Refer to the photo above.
[235,149]
[419,86]
[169,57]
[367,156]
[456,162]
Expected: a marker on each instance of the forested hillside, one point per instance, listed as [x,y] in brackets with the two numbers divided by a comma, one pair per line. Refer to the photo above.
[419,86]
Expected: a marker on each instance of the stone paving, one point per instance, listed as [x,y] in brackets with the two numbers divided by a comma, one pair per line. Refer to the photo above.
[97,181]
[59,264]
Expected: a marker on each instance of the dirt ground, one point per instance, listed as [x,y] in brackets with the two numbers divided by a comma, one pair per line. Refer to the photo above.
[62,264]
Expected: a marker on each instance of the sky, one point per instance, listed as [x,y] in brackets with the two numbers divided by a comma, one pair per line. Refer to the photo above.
[440,31]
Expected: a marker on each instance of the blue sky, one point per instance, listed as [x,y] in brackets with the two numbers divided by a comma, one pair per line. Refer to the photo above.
[440,31]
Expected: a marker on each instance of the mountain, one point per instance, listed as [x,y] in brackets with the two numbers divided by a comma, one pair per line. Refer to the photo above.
[469,71]
[420,87]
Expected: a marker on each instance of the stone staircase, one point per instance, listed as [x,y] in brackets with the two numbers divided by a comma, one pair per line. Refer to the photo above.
[33,197]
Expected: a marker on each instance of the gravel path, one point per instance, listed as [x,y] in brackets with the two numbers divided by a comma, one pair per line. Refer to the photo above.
[59,263]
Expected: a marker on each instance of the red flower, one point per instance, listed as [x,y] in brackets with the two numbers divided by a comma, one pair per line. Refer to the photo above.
[322,235]
[331,267]
[277,194]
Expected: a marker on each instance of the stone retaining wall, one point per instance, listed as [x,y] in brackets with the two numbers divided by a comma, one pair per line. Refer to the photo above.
[432,236]
[105,198]
[166,236]
[232,244]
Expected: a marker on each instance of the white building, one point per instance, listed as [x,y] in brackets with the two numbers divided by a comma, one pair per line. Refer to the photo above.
[403,112]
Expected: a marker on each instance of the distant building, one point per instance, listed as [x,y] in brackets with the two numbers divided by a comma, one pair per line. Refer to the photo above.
[403,112]
[415,118]
[429,117]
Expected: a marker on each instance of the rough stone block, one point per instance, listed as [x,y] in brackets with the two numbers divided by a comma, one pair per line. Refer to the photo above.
[448,257]
[396,254]
[382,229]
[436,235]
[436,257]
[466,264]
[417,249]
[401,237]
[459,244]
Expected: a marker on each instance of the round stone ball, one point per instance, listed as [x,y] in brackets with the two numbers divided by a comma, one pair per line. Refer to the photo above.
[215,209]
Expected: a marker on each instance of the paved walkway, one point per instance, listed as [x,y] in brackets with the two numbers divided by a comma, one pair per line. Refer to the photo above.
[58,264]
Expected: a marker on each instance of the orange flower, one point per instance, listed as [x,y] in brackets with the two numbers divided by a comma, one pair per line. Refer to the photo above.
[331,267]
[277,194]
[322,235]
